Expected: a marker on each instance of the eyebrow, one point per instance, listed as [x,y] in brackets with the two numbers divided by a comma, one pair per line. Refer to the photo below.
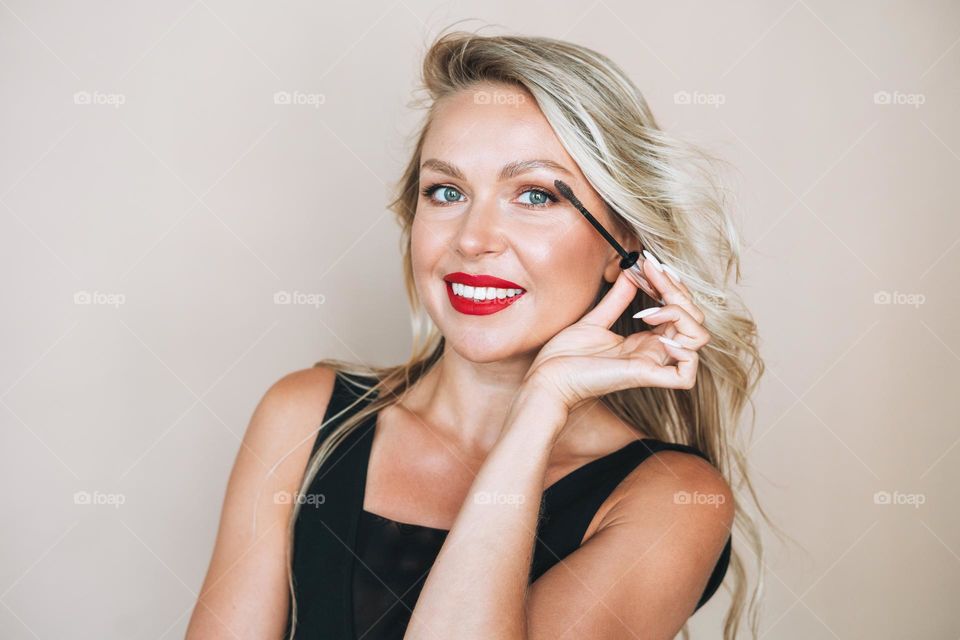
[509,170]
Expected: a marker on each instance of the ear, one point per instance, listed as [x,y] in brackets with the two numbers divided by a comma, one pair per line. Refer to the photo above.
[612,269]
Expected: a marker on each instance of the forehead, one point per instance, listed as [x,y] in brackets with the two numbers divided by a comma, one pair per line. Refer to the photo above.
[482,128]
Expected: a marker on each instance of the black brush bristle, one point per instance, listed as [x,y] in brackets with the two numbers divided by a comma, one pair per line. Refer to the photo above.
[567,192]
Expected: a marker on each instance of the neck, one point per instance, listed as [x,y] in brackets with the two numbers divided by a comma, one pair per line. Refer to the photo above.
[466,403]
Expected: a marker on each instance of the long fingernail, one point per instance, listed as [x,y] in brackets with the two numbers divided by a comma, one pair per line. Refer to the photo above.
[656,263]
[672,273]
[646,312]
[672,343]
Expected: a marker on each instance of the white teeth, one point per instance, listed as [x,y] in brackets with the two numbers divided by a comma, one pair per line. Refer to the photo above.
[481,294]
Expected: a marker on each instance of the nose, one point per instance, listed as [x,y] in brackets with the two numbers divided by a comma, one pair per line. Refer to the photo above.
[481,230]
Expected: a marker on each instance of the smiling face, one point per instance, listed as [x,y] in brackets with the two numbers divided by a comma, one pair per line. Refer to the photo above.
[488,207]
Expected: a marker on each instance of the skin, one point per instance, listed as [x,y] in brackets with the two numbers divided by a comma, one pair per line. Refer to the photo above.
[510,409]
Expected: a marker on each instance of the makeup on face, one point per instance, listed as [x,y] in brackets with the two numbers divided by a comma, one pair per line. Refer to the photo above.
[481,295]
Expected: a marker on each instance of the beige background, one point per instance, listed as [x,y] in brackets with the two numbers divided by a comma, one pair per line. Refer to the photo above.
[181,197]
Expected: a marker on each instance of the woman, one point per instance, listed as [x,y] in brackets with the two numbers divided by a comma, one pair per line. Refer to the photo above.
[545,463]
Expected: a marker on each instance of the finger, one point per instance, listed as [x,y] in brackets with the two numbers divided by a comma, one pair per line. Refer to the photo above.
[675,278]
[648,288]
[613,304]
[690,333]
[673,293]
[683,374]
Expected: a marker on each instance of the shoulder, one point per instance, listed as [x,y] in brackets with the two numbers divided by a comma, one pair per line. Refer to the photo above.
[680,492]
[304,393]
[288,415]
[652,556]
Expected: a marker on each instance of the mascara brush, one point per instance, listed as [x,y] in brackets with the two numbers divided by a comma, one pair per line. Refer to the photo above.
[631,262]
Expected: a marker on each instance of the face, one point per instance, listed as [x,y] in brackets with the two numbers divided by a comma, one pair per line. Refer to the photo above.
[486,210]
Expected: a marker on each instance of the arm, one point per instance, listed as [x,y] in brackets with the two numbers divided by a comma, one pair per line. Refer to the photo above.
[244,594]
[477,586]
[641,573]
[644,570]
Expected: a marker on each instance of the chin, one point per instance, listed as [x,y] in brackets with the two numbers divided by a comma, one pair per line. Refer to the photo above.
[493,347]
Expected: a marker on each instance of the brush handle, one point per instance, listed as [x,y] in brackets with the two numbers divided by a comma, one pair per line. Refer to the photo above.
[635,273]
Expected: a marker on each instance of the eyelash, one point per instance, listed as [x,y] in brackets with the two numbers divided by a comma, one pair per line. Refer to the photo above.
[431,189]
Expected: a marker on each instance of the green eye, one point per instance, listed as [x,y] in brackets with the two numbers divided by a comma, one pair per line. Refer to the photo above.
[447,194]
[538,198]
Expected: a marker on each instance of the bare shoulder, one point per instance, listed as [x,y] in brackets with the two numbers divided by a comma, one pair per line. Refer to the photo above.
[301,393]
[652,555]
[673,488]
[289,414]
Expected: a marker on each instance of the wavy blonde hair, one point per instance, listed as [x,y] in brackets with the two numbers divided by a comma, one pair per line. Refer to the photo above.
[663,191]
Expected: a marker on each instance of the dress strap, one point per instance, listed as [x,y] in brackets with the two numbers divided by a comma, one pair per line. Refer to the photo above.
[326,527]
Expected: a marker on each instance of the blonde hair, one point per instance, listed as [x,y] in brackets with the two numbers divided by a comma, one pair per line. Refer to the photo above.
[660,189]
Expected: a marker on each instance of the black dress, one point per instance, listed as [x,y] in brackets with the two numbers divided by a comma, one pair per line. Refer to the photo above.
[358,575]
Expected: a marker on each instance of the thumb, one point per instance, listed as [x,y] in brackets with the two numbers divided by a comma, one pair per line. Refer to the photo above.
[613,304]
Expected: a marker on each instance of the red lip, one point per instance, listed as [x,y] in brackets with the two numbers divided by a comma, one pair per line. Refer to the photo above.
[481,280]
[486,307]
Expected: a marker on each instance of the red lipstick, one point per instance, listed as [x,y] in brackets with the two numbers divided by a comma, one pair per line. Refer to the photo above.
[480,307]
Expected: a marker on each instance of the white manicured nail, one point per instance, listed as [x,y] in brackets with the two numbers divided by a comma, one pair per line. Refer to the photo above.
[672,343]
[672,273]
[656,263]
[646,312]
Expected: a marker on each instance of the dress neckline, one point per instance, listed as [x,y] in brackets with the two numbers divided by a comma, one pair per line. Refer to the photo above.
[548,493]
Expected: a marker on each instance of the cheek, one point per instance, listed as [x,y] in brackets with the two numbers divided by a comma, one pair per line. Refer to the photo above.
[422,246]
[567,270]
[427,250]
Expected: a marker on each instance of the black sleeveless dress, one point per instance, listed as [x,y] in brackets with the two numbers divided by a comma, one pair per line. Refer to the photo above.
[358,575]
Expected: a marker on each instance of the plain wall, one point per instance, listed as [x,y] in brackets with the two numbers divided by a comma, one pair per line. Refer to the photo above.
[146,162]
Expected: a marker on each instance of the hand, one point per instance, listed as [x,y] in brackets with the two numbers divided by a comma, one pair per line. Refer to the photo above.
[587,360]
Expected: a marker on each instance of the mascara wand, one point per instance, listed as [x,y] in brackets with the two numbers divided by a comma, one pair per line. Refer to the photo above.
[630,262]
